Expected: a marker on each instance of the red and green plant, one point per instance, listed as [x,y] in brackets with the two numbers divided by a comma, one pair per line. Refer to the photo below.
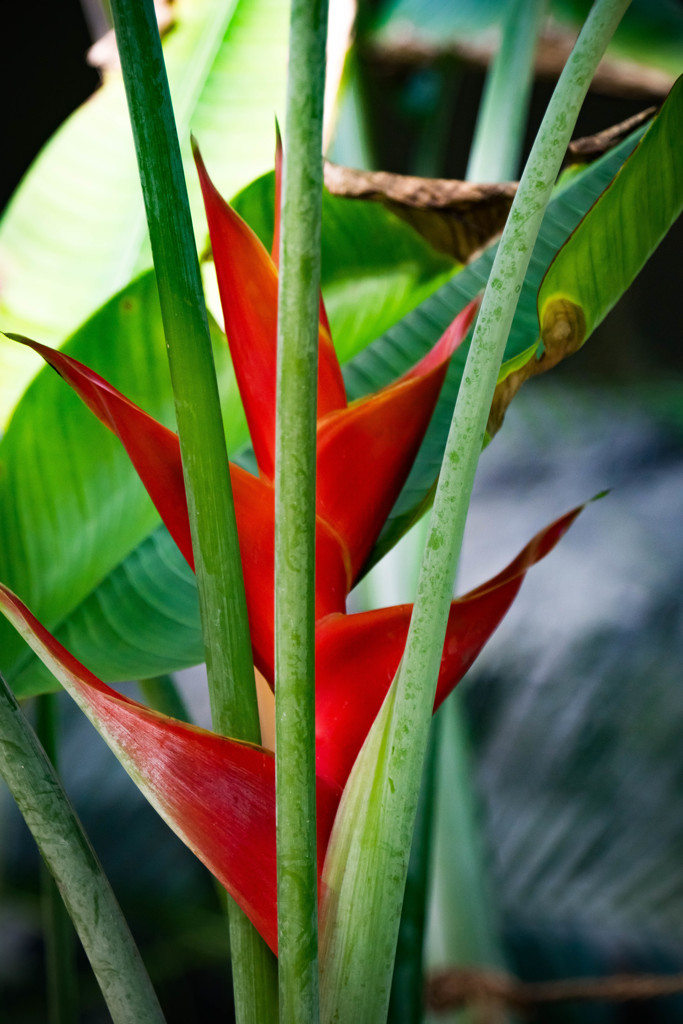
[277,554]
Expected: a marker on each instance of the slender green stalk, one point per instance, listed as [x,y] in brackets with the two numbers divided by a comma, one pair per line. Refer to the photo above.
[82,883]
[380,798]
[222,602]
[58,932]
[407,986]
[499,132]
[463,928]
[297,335]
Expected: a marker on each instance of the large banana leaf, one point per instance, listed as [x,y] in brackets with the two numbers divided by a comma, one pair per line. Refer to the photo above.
[74,232]
[71,506]
[618,234]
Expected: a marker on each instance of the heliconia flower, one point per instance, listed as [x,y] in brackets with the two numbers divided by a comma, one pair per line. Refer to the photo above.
[217,793]
[357,656]
[365,448]
[154,451]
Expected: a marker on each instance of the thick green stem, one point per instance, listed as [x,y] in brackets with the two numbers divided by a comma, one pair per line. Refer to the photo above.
[58,932]
[215,544]
[366,877]
[295,516]
[499,133]
[82,883]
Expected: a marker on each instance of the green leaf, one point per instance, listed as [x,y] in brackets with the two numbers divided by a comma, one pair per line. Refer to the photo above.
[617,236]
[375,268]
[159,630]
[75,232]
[401,346]
[72,509]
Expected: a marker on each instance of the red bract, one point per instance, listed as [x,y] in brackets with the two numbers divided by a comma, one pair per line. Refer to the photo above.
[218,794]
[365,449]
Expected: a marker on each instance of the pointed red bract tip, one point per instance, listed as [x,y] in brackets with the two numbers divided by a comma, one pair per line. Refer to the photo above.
[450,340]
[152,448]
[248,287]
[215,793]
[277,212]
[357,656]
[366,451]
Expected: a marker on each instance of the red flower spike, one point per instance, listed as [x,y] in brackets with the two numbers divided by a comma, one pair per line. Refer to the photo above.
[248,284]
[357,656]
[365,452]
[216,794]
[155,453]
[153,449]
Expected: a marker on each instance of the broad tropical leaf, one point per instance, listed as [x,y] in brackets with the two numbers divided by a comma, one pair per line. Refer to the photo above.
[75,231]
[605,252]
[72,507]
[392,353]
[619,233]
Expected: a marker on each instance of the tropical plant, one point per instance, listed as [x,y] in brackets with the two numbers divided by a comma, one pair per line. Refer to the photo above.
[344,465]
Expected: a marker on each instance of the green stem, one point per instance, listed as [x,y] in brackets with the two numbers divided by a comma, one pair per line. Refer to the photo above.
[407,986]
[499,132]
[82,883]
[366,864]
[60,945]
[295,516]
[417,676]
[222,602]
[463,929]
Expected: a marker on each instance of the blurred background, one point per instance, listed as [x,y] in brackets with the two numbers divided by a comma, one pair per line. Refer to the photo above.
[571,763]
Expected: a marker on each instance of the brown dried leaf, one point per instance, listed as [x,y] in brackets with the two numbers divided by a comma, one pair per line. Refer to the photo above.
[589,148]
[456,217]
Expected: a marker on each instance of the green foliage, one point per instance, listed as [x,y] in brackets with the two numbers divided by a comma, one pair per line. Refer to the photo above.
[375,268]
[75,233]
[130,608]
[651,32]
[391,354]
[73,509]
[603,255]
